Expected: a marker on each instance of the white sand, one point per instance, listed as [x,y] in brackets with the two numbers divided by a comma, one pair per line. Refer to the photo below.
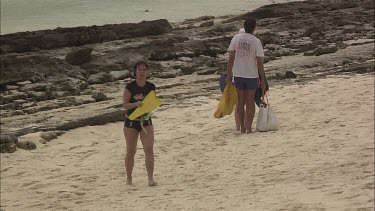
[321,159]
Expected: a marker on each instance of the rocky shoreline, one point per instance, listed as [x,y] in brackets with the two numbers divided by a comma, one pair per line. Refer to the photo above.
[61,79]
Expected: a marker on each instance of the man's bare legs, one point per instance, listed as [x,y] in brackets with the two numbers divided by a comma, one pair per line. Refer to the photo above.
[250,109]
[131,137]
[241,109]
[147,140]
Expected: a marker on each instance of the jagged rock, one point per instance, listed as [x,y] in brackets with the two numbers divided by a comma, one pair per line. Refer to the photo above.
[290,74]
[48,136]
[4,138]
[23,83]
[272,47]
[325,50]
[316,35]
[309,53]
[269,38]
[208,71]
[8,143]
[78,36]
[98,96]
[168,74]
[79,56]
[301,45]
[42,141]
[26,145]
[188,70]
[110,67]
[100,78]
[202,18]
[39,96]
[70,84]
[70,101]
[162,55]
[120,75]
[207,24]
[35,68]
[10,87]
[8,147]
[280,53]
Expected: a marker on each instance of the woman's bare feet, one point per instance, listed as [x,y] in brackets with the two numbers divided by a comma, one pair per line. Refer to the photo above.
[129,181]
[152,183]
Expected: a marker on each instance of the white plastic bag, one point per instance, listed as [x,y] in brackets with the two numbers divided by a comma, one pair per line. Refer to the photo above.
[266,119]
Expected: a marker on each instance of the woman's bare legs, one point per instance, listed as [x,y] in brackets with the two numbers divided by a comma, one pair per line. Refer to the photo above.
[147,140]
[131,137]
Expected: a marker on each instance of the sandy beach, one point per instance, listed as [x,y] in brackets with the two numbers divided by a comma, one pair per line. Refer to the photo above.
[321,158]
[61,141]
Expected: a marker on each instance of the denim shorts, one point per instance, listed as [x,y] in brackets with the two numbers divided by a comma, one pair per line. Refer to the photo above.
[246,83]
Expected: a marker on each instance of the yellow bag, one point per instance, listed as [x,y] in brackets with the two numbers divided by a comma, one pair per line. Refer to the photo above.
[150,103]
[227,102]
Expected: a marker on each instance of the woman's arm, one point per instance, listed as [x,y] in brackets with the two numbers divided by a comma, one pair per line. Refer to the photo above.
[126,101]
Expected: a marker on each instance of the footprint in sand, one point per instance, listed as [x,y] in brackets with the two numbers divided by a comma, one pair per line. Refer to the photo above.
[26,184]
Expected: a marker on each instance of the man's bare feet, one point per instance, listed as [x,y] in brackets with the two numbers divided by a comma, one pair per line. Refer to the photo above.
[152,183]
[249,131]
[129,181]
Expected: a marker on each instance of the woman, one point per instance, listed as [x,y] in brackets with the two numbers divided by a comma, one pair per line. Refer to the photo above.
[134,93]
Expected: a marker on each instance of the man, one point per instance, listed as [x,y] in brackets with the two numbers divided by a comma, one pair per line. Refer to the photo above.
[246,64]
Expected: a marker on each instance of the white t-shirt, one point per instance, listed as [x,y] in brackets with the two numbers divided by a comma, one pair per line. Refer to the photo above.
[247,48]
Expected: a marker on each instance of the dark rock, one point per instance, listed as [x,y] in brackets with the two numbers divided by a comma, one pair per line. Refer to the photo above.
[78,36]
[301,45]
[38,96]
[269,38]
[290,74]
[316,35]
[188,70]
[70,84]
[70,101]
[23,83]
[109,68]
[325,50]
[172,74]
[162,55]
[272,47]
[207,24]
[35,68]
[98,96]
[309,53]
[100,78]
[8,147]
[79,56]
[42,141]
[48,136]
[4,138]
[202,18]
[10,87]
[208,71]
[26,145]
[120,75]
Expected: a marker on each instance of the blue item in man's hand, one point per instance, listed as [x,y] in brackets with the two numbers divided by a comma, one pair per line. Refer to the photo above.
[223,82]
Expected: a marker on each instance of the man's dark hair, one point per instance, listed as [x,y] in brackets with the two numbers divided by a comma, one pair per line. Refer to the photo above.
[249,25]
[139,63]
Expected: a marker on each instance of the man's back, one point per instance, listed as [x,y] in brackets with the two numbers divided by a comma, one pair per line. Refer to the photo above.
[247,48]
